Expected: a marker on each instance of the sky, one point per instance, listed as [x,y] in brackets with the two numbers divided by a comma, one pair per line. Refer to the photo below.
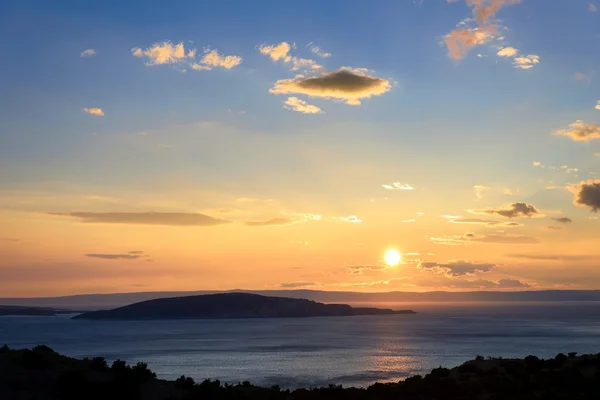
[213,145]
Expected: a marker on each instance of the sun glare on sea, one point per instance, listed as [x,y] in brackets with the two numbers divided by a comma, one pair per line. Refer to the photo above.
[392,257]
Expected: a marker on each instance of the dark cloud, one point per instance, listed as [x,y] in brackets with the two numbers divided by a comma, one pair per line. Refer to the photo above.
[563,220]
[289,285]
[349,85]
[457,268]
[125,256]
[553,228]
[361,269]
[145,218]
[588,195]
[271,222]
[515,210]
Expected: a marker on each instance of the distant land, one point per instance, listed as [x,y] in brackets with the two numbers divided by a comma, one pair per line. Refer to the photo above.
[32,311]
[231,305]
[106,301]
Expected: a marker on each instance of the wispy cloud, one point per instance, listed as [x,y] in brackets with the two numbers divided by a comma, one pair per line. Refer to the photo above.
[290,285]
[581,131]
[347,85]
[461,40]
[526,62]
[212,59]
[593,8]
[318,50]
[515,210]
[398,186]
[131,255]
[353,219]
[298,105]
[362,269]
[563,220]
[455,240]
[456,268]
[169,53]
[486,222]
[271,222]
[281,52]
[479,190]
[88,53]
[98,112]
[144,218]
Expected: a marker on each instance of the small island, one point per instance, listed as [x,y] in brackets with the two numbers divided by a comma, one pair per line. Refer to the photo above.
[31,311]
[230,306]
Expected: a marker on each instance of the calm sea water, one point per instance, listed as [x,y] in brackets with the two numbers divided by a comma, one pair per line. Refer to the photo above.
[308,352]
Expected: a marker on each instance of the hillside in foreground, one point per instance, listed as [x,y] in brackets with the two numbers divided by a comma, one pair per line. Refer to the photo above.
[42,374]
[232,305]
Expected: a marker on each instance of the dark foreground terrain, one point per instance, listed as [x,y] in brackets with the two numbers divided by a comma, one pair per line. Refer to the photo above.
[42,374]
[232,305]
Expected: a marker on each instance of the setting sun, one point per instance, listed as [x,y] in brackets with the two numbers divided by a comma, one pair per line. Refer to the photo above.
[392,257]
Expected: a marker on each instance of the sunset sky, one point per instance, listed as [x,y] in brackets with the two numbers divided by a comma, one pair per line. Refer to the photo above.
[265,145]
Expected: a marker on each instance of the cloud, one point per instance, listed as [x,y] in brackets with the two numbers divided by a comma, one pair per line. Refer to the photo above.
[295,104]
[587,194]
[507,52]
[169,53]
[486,222]
[144,218]
[500,284]
[461,40]
[526,62]
[132,255]
[9,239]
[478,189]
[289,285]
[281,52]
[212,58]
[361,269]
[271,222]
[352,219]
[162,53]
[457,240]
[554,257]
[277,52]
[593,8]
[318,50]
[515,210]
[94,111]
[580,131]
[88,53]
[398,186]
[485,10]
[348,85]
[579,76]
[553,228]
[456,268]
[597,107]
[408,221]
[563,220]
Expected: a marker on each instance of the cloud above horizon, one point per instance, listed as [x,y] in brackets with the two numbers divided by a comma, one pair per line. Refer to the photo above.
[98,112]
[291,285]
[169,53]
[581,131]
[87,53]
[499,238]
[454,268]
[347,85]
[301,106]
[144,218]
[563,220]
[271,222]
[486,222]
[131,255]
[587,194]
[281,52]
[515,210]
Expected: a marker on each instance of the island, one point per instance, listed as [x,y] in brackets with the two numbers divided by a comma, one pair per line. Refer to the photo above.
[31,311]
[229,306]
[41,373]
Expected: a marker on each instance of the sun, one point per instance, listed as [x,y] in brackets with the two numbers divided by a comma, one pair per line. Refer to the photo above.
[392,257]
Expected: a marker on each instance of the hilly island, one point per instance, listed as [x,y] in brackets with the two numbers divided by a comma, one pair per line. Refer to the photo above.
[231,305]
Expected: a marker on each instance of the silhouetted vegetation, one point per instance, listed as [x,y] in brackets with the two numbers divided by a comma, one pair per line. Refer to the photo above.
[42,374]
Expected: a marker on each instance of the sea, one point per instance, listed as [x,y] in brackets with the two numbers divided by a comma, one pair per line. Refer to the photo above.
[310,352]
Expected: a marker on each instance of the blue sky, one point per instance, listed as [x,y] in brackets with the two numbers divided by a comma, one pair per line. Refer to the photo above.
[168,134]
